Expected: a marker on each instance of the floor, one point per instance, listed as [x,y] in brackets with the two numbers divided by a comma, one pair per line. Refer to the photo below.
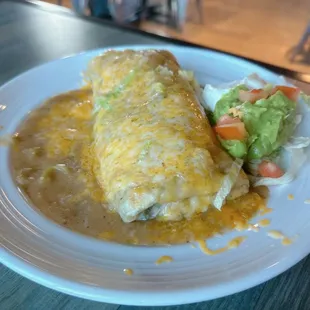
[265,30]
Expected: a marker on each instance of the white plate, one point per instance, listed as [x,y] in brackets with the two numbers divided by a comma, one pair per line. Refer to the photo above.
[60,259]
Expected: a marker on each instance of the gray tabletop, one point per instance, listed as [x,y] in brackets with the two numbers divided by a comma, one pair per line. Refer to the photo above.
[31,35]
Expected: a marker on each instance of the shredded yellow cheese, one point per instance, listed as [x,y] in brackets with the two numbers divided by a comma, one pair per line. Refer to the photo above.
[235,112]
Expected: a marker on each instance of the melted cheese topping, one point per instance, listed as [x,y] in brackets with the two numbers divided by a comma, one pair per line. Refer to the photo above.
[155,148]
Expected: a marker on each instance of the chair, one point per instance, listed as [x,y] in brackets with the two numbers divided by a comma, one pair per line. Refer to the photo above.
[300,49]
[178,11]
[173,11]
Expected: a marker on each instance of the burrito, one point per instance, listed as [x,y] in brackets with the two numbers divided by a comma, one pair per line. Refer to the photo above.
[157,154]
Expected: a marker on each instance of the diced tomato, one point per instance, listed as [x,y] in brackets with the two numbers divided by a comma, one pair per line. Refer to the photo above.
[226,119]
[290,92]
[256,91]
[235,131]
[253,95]
[268,169]
[257,94]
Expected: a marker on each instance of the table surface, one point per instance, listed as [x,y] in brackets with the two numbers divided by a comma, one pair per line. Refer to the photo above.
[32,34]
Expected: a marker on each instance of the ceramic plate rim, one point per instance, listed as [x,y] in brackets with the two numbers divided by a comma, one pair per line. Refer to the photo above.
[190,295]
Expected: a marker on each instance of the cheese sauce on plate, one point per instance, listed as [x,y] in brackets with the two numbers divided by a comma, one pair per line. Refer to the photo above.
[53,164]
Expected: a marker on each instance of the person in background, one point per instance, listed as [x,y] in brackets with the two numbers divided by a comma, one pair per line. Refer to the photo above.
[133,11]
[124,11]
[120,10]
[99,8]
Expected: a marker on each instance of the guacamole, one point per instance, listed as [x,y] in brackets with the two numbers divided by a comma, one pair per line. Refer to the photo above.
[269,123]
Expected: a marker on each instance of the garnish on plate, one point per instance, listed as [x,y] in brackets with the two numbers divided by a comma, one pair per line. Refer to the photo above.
[255,121]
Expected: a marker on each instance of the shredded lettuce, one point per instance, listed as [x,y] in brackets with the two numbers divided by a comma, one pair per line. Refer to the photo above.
[164,71]
[298,120]
[103,101]
[251,166]
[187,75]
[294,148]
[145,150]
[211,95]
[305,99]
[228,183]
[158,91]
[158,87]
[298,158]
[297,143]
[150,213]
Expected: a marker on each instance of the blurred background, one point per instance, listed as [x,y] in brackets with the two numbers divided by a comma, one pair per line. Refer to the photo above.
[272,31]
